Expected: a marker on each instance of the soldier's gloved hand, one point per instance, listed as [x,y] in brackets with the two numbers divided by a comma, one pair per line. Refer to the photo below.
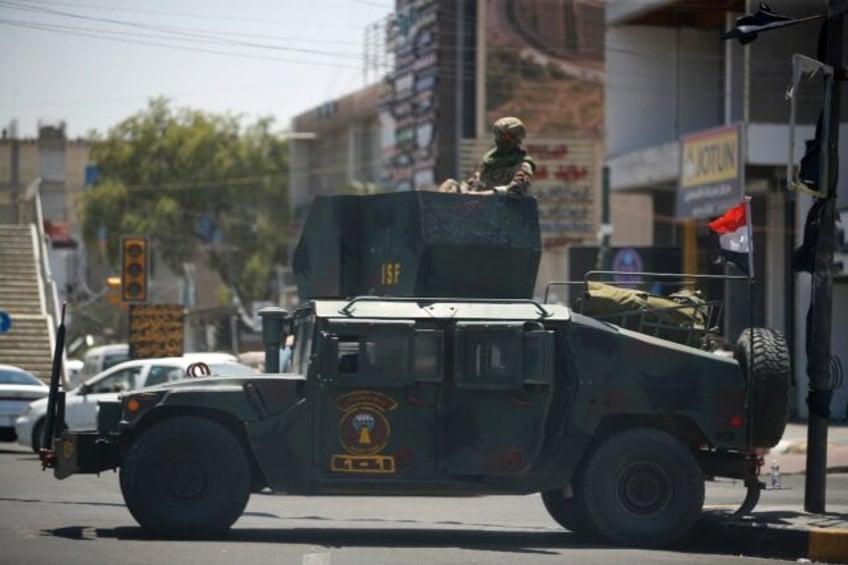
[502,190]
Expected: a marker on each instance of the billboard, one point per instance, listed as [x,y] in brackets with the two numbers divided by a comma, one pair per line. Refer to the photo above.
[544,64]
[711,172]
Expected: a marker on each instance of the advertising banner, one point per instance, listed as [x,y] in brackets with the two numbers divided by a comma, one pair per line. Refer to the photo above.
[711,172]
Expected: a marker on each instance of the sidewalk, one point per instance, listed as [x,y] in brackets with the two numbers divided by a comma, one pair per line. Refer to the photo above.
[784,532]
[791,452]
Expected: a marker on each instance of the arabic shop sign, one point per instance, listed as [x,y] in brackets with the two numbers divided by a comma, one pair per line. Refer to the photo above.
[711,172]
[566,185]
[156,330]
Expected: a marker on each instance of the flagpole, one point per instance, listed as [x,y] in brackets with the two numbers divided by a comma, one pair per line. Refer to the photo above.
[749,223]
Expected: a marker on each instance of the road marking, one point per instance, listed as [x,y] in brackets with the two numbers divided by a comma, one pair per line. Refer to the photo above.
[316,559]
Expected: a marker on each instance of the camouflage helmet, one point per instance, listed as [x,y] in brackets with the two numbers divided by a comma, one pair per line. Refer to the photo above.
[509,125]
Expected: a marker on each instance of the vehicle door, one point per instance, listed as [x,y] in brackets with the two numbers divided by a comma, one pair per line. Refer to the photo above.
[81,408]
[497,402]
[378,392]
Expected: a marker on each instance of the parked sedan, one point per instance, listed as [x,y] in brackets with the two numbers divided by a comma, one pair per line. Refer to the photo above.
[81,402]
[17,389]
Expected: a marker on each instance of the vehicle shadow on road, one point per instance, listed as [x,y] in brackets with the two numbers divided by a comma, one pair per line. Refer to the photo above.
[543,543]
[64,502]
[519,542]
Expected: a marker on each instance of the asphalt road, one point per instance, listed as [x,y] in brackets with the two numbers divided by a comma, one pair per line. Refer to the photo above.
[82,520]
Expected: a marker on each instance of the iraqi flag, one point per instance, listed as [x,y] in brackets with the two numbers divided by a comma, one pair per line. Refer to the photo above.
[734,237]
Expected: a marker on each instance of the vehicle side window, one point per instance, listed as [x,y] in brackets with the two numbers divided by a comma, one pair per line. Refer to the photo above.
[159,374]
[488,356]
[376,355]
[110,360]
[427,356]
[538,358]
[121,381]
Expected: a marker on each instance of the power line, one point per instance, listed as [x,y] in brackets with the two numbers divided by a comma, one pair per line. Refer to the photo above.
[122,39]
[192,15]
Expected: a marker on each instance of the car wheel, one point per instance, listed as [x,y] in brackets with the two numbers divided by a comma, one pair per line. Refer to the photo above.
[186,477]
[642,487]
[37,435]
[765,352]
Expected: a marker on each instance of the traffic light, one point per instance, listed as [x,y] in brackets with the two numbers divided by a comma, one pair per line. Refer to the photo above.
[134,256]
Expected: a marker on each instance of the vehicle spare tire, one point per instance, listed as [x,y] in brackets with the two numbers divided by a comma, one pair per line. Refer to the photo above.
[764,352]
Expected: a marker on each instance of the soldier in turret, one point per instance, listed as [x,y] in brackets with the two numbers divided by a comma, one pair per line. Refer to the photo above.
[507,169]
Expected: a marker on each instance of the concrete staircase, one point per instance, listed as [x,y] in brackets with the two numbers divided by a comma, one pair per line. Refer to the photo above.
[27,343]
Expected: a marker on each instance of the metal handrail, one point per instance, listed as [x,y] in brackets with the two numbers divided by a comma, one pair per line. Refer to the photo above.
[48,292]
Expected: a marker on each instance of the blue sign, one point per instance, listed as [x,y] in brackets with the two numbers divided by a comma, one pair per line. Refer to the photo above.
[5,322]
[628,260]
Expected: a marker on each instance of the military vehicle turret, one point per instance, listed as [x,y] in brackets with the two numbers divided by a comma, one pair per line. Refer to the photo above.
[422,366]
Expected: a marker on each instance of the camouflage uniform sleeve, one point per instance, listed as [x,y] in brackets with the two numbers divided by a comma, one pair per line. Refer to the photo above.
[520,184]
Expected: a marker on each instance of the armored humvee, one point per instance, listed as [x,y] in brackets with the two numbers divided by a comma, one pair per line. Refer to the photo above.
[422,366]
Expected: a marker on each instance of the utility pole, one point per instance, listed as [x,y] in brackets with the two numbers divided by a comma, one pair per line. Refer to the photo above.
[821,297]
[819,316]
[603,260]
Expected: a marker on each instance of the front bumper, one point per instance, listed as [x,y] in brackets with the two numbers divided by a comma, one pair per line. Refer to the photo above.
[83,452]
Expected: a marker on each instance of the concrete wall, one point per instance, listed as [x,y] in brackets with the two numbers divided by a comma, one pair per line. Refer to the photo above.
[661,83]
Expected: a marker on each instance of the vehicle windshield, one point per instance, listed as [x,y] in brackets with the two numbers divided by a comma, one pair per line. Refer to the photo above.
[16,377]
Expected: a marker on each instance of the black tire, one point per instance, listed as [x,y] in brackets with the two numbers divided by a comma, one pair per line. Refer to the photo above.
[642,487]
[567,512]
[186,477]
[37,435]
[768,382]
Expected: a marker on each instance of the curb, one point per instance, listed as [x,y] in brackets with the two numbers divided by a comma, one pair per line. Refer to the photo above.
[768,539]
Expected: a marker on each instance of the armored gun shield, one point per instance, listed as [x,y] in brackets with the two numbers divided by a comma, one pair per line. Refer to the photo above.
[423,244]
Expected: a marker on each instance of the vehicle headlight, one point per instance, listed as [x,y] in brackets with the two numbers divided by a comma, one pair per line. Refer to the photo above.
[26,410]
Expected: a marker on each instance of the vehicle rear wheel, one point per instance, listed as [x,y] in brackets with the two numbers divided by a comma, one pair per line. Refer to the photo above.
[186,477]
[642,487]
[567,512]
[768,354]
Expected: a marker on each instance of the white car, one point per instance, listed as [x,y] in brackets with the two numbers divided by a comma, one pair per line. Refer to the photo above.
[81,402]
[17,389]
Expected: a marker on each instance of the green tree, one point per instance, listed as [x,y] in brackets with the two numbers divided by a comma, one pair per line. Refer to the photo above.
[189,179]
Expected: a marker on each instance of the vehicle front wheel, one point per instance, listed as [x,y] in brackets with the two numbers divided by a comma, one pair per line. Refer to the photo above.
[567,512]
[186,477]
[642,487]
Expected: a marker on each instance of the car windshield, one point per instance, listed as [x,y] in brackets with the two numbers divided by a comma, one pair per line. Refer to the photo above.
[17,377]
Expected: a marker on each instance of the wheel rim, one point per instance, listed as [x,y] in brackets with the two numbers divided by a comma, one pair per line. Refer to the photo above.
[644,489]
[186,478]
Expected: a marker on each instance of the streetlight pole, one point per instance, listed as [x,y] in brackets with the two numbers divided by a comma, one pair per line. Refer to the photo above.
[819,316]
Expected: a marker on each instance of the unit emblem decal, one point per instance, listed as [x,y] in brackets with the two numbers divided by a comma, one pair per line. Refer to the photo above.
[364,431]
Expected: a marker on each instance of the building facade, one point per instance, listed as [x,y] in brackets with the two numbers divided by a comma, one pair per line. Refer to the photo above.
[675,92]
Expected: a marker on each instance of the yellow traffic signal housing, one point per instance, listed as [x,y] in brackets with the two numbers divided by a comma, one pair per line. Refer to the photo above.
[134,258]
